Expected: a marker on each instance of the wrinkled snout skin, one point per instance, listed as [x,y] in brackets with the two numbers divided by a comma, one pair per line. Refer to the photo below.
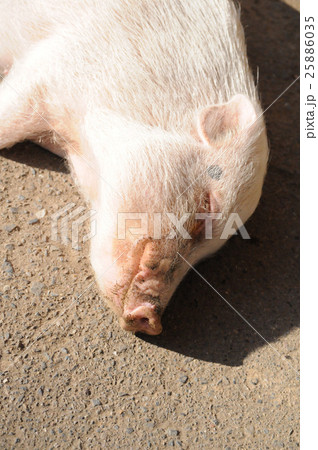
[146,279]
[155,109]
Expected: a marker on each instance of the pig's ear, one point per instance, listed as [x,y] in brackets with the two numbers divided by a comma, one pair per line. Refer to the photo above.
[217,121]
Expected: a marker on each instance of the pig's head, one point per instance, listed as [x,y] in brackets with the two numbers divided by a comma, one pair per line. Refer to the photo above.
[154,229]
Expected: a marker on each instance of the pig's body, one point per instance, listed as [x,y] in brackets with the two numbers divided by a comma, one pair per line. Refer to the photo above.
[141,97]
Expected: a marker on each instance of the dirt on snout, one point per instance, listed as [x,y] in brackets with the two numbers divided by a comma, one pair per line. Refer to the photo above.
[214,379]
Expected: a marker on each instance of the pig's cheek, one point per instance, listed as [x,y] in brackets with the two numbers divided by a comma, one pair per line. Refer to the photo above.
[107,276]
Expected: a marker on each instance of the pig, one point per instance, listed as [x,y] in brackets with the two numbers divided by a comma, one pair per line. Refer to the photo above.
[154,106]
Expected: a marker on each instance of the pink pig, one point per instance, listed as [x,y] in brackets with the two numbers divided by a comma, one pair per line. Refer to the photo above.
[154,106]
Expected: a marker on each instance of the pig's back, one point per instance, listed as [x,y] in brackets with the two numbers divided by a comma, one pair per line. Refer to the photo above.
[165,59]
[152,61]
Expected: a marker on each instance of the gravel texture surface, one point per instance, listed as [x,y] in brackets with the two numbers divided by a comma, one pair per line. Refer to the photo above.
[71,378]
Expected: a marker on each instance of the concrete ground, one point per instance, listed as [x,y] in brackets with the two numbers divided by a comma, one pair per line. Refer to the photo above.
[71,378]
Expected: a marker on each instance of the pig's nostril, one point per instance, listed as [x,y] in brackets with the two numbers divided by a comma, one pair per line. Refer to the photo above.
[144,320]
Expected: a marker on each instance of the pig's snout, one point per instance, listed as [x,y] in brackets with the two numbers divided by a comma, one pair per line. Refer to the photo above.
[142,287]
[143,318]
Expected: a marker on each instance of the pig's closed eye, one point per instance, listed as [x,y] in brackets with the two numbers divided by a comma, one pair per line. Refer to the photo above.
[215,172]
